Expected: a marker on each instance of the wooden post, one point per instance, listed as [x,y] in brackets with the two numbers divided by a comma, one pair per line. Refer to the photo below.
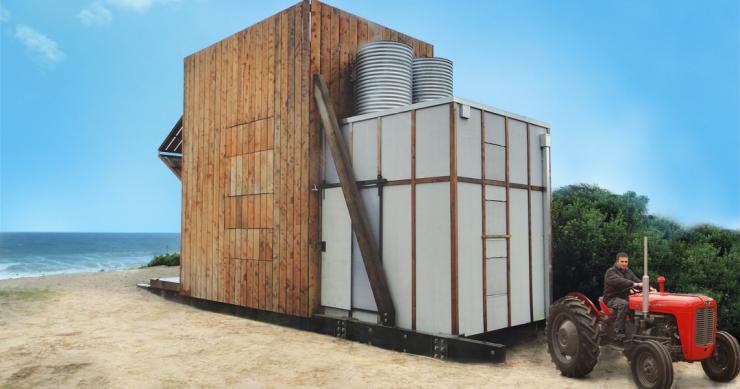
[357,213]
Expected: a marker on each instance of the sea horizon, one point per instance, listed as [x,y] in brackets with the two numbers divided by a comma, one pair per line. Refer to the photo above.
[34,254]
[87,232]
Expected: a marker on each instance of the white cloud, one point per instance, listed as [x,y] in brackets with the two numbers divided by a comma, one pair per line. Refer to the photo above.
[138,5]
[95,15]
[133,5]
[99,13]
[39,45]
[4,14]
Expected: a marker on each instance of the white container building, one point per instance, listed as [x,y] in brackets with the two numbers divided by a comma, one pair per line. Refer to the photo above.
[458,195]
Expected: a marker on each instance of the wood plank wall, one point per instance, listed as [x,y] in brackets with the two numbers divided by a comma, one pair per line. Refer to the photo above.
[252,153]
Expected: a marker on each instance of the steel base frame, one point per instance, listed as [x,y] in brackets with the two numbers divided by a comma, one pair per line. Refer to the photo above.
[441,347]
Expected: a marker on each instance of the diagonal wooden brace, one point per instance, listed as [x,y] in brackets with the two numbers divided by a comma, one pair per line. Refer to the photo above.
[357,213]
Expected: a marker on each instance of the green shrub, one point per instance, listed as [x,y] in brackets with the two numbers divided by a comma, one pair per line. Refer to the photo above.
[169,259]
[590,225]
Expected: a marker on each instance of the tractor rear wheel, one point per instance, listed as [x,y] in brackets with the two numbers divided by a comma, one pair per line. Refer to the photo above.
[651,366]
[724,363]
[572,337]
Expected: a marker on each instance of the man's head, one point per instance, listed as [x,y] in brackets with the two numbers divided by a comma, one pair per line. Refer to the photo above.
[622,261]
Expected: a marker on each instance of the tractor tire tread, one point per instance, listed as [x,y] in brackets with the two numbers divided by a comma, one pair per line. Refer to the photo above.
[664,359]
[588,335]
[730,374]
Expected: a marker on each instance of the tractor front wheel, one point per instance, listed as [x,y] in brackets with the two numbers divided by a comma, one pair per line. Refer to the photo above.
[651,366]
[724,363]
[572,337]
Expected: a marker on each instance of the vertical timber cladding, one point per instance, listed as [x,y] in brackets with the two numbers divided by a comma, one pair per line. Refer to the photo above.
[245,122]
[250,223]
[228,195]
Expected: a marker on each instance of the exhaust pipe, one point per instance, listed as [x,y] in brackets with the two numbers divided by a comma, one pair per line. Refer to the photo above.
[645,278]
[546,207]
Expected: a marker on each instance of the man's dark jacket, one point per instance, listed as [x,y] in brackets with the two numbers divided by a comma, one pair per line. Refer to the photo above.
[617,283]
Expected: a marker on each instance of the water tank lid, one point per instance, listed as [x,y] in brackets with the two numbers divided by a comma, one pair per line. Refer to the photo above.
[368,45]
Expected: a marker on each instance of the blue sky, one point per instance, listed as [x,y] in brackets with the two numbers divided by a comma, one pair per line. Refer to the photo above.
[641,96]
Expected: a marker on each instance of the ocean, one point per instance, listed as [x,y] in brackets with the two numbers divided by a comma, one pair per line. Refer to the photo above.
[28,254]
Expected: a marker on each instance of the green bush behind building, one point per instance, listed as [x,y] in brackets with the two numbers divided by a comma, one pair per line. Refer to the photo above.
[590,225]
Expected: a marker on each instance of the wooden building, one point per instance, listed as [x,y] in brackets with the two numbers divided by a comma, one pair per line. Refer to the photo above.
[457,193]
[248,150]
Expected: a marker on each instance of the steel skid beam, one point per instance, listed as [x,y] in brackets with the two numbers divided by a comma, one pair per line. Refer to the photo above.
[457,348]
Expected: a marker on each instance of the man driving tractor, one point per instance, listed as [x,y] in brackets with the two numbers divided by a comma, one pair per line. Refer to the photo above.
[618,281]
[663,328]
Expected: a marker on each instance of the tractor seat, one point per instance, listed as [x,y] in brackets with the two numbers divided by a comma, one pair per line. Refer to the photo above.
[603,306]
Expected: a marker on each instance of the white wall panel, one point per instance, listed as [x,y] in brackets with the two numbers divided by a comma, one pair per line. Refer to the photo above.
[365,149]
[495,129]
[433,300]
[397,249]
[496,309]
[395,134]
[330,171]
[495,276]
[518,220]
[538,256]
[433,141]
[468,144]
[362,294]
[495,162]
[469,258]
[517,152]
[496,248]
[495,218]
[495,193]
[535,155]
[336,268]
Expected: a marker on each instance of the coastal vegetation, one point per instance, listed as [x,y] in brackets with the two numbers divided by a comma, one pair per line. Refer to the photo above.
[590,225]
[169,259]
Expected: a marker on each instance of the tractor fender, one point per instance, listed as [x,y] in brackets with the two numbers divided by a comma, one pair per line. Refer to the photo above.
[588,302]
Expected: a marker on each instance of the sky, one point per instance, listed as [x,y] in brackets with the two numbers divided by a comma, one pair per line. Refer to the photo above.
[640,96]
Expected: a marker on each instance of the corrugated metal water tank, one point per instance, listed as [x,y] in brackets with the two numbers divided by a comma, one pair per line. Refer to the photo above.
[382,76]
[432,79]
[459,217]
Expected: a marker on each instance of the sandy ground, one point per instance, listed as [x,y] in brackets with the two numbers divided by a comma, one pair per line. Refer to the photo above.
[100,330]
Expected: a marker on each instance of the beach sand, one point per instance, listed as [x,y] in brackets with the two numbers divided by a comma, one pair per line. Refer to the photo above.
[100,330]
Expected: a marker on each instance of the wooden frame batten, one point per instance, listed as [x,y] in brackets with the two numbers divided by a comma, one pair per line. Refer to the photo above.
[453,221]
[483,216]
[413,219]
[508,224]
[529,222]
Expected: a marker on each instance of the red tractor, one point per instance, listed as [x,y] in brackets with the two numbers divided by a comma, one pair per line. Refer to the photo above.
[661,328]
